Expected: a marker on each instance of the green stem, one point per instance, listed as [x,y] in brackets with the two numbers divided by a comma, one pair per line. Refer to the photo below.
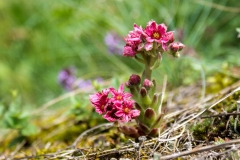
[148,72]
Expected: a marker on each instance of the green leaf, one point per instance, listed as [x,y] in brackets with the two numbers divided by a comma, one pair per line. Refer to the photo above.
[29,130]
[8,121]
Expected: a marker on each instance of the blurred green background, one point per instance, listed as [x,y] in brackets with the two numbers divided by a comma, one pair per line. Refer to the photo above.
[38,38]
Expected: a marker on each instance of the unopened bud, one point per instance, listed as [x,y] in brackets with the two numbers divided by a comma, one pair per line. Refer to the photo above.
[127,84]
[147,84]
[176,54]
[176,46]
[134,80]
[181,46]
[143,92]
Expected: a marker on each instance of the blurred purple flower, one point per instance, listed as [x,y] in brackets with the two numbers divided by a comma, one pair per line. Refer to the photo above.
[114,43]
[81,83]
[68,80]
[66,77]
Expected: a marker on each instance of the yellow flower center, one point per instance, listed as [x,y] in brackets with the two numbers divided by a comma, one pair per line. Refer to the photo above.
[119,97]
[126,110]
[156,35]
[102,107]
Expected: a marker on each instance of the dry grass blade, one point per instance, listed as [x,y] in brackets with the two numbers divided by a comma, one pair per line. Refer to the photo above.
[202,149]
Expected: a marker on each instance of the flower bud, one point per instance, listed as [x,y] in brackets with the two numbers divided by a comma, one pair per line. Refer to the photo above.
[127,84]
[134,80]
[143,92]
[181,46]
[176,46]
[147,84]
[176,54]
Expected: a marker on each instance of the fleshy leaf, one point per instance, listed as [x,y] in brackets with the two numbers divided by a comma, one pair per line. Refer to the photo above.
[149,116]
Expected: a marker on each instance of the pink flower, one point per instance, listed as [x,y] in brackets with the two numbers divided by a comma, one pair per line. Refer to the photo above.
[129,51]
[125,111]
[153,37]
[99,100]
[120,95]
[117,106]
[110,112]
[157,33]
[133,40]
[135,37]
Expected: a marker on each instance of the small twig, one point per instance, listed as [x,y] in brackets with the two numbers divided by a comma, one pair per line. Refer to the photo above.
[202,149]
[166,140]
[233,148]
[129,148]
[17,149]
[141,139]
[236,119]
[221,114]
[102,126]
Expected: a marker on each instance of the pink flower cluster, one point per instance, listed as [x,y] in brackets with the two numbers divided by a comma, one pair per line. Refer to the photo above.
[114,104]
[144,38]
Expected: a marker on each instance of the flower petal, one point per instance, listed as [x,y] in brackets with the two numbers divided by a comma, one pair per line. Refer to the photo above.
[135,113]
[121,88]
[148,46]
[162,28]
[119,113]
